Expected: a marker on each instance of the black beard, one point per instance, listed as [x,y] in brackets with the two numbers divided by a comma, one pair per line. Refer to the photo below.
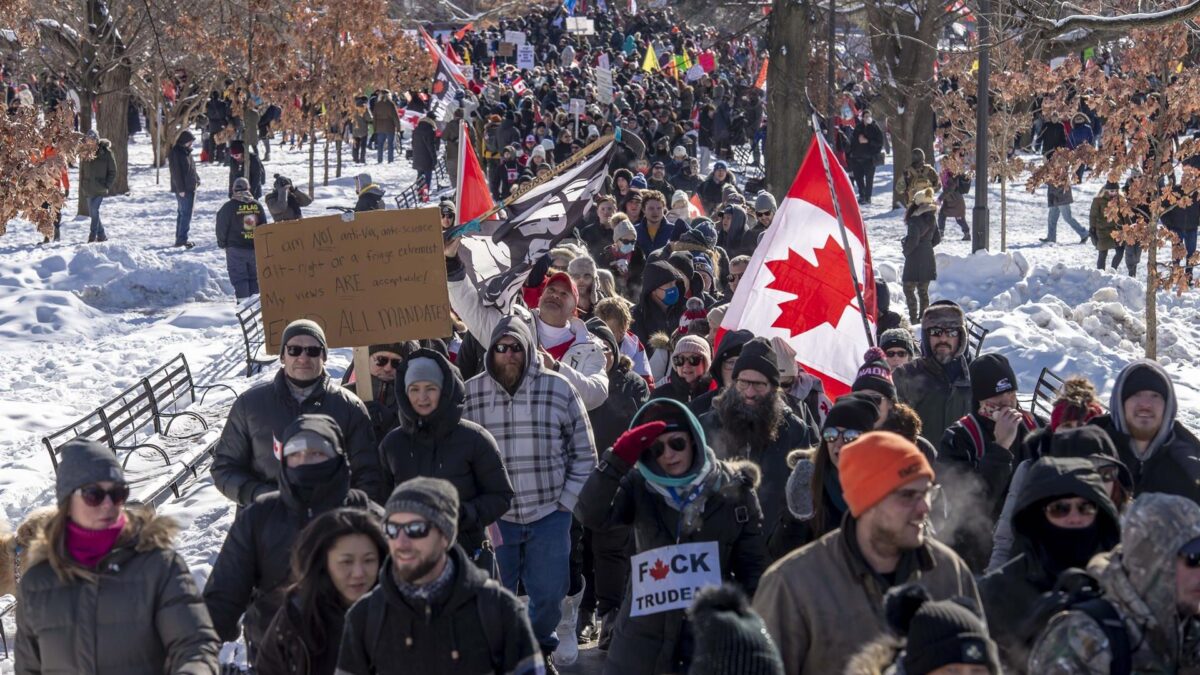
[756,425]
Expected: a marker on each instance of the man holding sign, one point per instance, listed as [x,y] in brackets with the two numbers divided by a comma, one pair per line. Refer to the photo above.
[696,522]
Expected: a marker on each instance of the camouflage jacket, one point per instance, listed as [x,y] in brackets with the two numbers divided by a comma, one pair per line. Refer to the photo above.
[1138,578]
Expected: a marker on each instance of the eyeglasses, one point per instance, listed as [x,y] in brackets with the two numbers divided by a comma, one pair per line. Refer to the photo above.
[503,348]
[744,385]
[417,529]
[93,495]
[1063,509]
[382,361]
[910,498]
[295,351]
[897,353]
[947,332]
[676,444]
[689,359]
[831,434]
[1191,560]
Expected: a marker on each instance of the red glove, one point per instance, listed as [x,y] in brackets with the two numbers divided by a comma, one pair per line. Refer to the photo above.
[631,444]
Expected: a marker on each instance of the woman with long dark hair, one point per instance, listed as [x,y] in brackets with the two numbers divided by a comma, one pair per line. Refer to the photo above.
[335,562]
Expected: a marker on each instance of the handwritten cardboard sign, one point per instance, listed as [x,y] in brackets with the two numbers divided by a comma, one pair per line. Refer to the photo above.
[669,577]
[380,277]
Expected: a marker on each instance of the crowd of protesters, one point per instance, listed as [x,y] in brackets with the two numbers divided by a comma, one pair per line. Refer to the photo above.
[485,509]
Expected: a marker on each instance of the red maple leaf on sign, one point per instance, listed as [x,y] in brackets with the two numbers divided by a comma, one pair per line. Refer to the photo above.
[823,291]
[659,571]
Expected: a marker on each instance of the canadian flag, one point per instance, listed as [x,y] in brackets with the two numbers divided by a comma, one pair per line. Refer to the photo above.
[519,87]
[799,285]
[409,120]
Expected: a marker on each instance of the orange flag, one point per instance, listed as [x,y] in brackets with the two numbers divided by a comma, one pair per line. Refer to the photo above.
[458,34]
[473,198]
[761,82]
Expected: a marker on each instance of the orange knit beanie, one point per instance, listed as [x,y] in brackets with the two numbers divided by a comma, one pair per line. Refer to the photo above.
[877,463]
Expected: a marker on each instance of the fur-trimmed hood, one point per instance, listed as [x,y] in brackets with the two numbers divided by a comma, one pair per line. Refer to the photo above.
[144,531]
[660,341]
[877,657]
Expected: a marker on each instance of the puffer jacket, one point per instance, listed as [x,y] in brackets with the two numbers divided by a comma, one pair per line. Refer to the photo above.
[619,494]
[443,445]
[1171,463]
[919,262]
[138,612]
[795,434]
[1011,592]
[929,387]
[1141,589]
[252,568]
[244,464]
[479,628]
[810,598]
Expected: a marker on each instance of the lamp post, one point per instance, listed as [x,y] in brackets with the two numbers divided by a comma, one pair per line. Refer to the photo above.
[980,230]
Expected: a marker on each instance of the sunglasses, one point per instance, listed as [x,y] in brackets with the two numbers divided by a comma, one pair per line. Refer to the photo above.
[689,359]
[311,352]
[382,361]
[847,435]
[947,332]
[628,241]
[1191,560]
[447,214]
[417,529]
[93,495]
[897,353]
[1064,509]
[506,348]
[676,444]
[760,214]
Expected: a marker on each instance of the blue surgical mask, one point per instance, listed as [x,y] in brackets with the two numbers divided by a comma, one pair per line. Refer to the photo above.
[625,248]
[671,296]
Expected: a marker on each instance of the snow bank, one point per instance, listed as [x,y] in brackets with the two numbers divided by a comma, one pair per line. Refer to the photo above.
[126,276]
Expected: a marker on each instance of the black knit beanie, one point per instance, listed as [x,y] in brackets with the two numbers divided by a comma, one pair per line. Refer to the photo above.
[435,499]
[1142,377]
[730,638]
[875,375]
[852,412]
[757,355]
[990,376]
[938,633]
[402,348]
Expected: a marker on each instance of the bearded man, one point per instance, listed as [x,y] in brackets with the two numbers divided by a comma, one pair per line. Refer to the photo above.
[751,419]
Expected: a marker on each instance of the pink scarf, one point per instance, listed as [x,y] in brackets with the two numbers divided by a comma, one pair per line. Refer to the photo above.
[88,547]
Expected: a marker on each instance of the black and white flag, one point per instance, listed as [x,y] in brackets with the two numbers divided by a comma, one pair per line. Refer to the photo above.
[499,257]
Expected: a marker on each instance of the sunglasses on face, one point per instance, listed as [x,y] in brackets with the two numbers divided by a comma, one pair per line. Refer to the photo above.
[847,435]
[688,359]
[945,332]
[897,353]
[1064,509]
[382,361]
[311,352]
[417,529]
[760,214]
[506,348]
[677,444]
[447,214]
[628,241]
[93,495]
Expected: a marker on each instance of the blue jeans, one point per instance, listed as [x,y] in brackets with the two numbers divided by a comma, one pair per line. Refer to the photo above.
[183,216]
[391,147]
[538,555]
[97,231]
[243,272]
[1052,221]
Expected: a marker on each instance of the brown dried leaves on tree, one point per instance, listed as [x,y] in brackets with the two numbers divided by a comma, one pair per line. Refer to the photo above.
[30,181]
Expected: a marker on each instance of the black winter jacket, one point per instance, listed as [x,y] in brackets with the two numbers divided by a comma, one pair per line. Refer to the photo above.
[283,650]
[615,495]
[648,317]
[236,222]
[443,445]
[257,177]
[183,168]
[424,146]
[627,391]
[244,464]
[253,566]
[480,628]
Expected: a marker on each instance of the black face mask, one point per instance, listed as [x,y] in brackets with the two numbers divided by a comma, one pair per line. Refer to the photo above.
[307,478]
[1065,547]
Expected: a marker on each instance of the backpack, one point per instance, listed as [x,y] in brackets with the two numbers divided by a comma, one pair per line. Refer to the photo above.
[975,432]
[964,184]
[1077,591]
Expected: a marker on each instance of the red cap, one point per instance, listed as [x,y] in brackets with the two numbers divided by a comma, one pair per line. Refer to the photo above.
[566,279]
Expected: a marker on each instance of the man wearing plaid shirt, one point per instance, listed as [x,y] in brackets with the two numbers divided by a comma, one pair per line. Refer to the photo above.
[541,425]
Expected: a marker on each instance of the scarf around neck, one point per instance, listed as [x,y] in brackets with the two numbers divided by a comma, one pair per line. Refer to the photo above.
[88,547]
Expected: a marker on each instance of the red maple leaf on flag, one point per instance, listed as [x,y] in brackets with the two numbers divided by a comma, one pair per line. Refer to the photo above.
[659,571]
[823,291]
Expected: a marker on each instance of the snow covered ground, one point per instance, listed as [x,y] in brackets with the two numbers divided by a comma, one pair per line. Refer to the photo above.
[80,322]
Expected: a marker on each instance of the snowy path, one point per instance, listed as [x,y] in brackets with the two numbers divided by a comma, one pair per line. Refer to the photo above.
[80,322]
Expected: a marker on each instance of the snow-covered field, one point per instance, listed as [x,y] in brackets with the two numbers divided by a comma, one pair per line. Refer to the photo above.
[81,322]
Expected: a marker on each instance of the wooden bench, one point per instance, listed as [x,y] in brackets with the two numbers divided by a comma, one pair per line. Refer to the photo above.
[975,336]
[253,338]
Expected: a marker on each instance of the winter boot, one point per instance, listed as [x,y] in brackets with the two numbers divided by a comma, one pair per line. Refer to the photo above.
[608,623]
[549,659]
[585,628]
[568,644]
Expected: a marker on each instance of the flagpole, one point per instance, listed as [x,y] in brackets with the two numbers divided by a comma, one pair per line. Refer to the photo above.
[837,212]
[458,170]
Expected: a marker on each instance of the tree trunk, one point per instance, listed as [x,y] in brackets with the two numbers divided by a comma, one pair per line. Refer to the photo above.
[1003,213]
[325,159]
[1152,296]
[787,75]
[339,157]
[112,122]
[312,157]
[85,125]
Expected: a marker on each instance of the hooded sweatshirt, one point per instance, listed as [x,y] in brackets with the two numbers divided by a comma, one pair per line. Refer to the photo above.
[648,316]
[370,195]
[541,427]
[1170,463]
